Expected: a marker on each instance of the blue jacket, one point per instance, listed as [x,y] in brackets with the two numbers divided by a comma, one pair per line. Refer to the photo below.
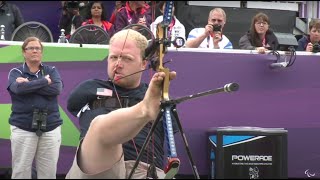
[11,18]
[302,43]
[36,93]
[86,93]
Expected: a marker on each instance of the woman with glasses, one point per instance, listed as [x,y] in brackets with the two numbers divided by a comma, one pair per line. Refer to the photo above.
[259,37]
[35,120]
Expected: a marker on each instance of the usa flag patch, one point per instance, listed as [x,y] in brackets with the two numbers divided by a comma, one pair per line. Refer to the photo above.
[104,92]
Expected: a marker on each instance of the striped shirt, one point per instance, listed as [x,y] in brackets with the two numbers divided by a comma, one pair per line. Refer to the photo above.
[208,42]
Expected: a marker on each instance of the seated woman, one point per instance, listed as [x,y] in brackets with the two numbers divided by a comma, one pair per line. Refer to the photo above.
[308,42]
[96,15]
[259,37]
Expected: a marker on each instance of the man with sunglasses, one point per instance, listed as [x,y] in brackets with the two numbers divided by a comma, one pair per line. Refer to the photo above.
[211,35]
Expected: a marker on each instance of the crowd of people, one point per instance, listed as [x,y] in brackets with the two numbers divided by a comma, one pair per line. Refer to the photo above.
[259,37]
[115,114]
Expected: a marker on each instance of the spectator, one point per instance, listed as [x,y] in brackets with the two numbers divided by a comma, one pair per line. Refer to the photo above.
[211,36]
[118,5]
[135,12]
[71,19]
[260,37]
[35,121]
[176,29]
[96,16]
[83,5]
[308,42]
[10,17]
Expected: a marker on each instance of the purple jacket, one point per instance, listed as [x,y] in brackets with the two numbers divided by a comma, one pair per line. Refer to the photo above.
[127,16]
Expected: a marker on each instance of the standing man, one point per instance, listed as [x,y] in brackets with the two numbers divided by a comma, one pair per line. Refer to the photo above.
[211,36]
[10,17]
[73,15]
[35,119]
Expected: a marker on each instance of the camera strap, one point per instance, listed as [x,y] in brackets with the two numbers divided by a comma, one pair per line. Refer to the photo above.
[264,41]
[208,41]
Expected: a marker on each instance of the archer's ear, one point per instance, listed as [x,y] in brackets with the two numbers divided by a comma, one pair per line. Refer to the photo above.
[144,63]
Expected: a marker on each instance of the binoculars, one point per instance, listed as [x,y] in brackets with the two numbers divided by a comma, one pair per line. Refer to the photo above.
[39,121]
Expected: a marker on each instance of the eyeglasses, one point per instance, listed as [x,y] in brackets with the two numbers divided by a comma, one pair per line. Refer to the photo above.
[261,23]
[33,48]
[218,20]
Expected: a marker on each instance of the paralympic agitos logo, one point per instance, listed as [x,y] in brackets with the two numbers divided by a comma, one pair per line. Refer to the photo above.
[309,174]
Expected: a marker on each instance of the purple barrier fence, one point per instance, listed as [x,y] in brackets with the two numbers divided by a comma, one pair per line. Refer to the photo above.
[283,98]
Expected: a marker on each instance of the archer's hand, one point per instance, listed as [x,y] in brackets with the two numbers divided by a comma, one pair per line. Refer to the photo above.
[153,95]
